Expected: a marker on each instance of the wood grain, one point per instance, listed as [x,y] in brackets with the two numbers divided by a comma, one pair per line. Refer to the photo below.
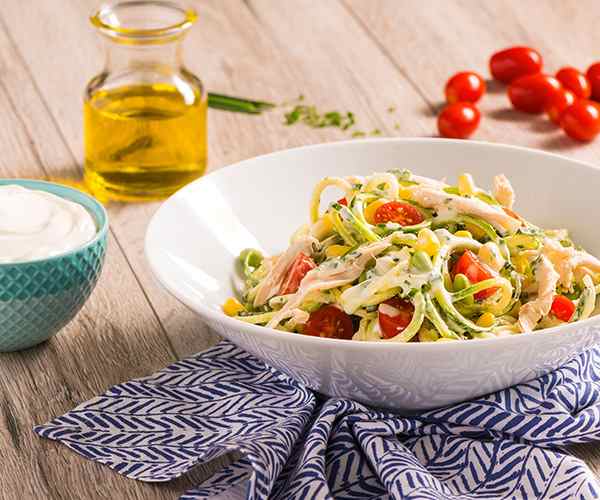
[494,25]
[458,37]
[346,55]
[114,338]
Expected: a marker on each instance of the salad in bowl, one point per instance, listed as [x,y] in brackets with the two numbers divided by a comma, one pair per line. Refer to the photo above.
[406,258]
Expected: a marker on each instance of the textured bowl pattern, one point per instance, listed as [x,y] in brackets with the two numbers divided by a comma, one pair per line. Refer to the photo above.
[38,298]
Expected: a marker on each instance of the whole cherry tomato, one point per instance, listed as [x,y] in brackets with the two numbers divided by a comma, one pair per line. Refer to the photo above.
[469,265]
[529,93]
[514,62]
[395,211]
[329,322]
[301,265]
[557,102]
[593,75]
[458,120]
[562,308]
[575,81]
[394,318]
[581,120]
[465,86]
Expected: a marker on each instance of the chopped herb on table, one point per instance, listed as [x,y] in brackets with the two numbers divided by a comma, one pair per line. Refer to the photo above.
[308,115]
[311,117]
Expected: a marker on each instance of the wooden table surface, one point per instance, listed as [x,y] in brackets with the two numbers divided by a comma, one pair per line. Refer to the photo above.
[357,55]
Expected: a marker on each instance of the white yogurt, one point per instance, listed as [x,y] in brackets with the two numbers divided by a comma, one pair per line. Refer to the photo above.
[35,224]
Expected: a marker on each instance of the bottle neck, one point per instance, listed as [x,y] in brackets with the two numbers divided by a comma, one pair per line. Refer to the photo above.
[165,57]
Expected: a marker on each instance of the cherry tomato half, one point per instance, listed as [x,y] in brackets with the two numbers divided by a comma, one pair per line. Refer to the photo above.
[329,322]
[396,318]
[469,265]
[557,102]
[575,81]
[396,211]
[562,308]
[593,76]
[301,265]
[514,62]
[529,93]
[458,120]
[343,201]
[581,120]
[465,86]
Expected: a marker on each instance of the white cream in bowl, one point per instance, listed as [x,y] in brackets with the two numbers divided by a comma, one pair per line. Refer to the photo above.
[36,224]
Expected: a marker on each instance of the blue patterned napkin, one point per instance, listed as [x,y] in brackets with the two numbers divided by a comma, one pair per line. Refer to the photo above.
[297,445]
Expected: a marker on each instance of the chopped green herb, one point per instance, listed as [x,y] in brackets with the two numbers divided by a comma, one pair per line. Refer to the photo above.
[375,132]
[292,117]
[391,109]
[358,133]
[311,117]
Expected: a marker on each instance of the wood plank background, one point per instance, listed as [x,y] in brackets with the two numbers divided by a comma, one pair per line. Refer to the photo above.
[357,55]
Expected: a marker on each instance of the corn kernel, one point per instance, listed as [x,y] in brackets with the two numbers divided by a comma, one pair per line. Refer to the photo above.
[466,185]
[490,254]
[336,250]
[522,241]
[428,242]
[521,264]
[428,335]
[486,320]
[371,209]
[323,227]
[232,307]
[463,234]
[475,231]
[405,193]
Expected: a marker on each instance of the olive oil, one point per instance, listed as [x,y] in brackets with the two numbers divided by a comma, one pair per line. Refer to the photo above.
[143,142]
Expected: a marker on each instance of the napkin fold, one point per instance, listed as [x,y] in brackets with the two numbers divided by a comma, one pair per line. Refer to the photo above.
[296,444]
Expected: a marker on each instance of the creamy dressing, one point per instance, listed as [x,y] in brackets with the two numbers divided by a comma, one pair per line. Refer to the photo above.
[36,224]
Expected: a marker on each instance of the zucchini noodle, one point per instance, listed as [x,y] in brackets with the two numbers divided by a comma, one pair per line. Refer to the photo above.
[315,201]
[382,267]
[387,180]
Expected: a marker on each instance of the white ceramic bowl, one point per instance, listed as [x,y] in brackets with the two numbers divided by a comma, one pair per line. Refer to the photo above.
[194,238]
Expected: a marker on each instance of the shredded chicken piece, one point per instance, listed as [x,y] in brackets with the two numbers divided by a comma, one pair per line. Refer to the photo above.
[531,312]
[299,317]
[569,261]
[503,191]
[428,182]
[440,201]
[270,286]
[326,277]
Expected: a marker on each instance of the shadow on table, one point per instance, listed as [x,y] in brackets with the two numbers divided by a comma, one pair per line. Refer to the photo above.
[495,87]
[509,115]
[197,475]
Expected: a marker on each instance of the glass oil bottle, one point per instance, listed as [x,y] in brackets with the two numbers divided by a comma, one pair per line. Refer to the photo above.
[145,113]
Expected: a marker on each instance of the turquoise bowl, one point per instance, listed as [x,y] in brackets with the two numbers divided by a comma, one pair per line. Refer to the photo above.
[39,297]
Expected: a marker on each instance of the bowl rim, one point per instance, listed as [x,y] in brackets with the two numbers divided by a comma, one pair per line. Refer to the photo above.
[218,316]
[101,231]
